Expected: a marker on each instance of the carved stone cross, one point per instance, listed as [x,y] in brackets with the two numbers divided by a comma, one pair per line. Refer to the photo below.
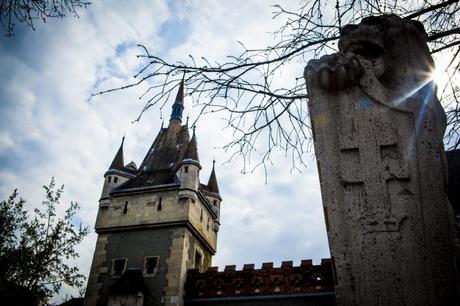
[369,158]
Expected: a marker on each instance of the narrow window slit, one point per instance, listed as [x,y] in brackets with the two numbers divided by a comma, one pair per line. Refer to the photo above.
[159,204]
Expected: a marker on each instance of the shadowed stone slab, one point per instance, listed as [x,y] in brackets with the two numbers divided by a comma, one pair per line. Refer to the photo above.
[378,130]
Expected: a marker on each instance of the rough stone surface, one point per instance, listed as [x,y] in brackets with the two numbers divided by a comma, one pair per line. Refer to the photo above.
[378,130]
[453,190]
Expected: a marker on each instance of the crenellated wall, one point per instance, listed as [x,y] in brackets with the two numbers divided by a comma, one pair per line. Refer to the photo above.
[268,285]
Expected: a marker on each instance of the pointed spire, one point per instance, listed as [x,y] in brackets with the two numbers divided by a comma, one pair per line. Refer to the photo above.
[178,105]
[118,161]
[180,93]
[192,149]
[212,183]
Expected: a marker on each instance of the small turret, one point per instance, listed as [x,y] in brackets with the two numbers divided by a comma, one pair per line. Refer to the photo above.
[213,195]
[118,160]
[189,171]
[212,183]
[116,175]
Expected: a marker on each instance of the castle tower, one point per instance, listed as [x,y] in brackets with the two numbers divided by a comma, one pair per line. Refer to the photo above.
[154,223]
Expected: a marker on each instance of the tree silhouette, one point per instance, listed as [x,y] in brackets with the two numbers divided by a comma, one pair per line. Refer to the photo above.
[28,11]
[34,248]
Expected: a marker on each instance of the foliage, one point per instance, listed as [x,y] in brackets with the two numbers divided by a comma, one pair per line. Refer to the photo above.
[27,11]
[246,88]
[34,249]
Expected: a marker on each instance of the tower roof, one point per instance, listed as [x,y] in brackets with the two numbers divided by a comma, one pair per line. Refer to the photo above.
[178,106]
[180,93]
[212,183]
[192,149]
[167,151]
[118,162]
[161,161]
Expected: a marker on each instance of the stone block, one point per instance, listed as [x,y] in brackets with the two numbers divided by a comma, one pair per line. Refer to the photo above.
[378,131]
[247,267]
[306,263]
[267,266]
[286,264]
[230,268]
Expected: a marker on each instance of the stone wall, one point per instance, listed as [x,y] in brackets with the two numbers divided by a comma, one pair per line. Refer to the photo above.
[142,209]
[285,285]
[97,272]
[134,246]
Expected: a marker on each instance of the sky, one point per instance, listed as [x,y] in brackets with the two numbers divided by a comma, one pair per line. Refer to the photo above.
[48,128]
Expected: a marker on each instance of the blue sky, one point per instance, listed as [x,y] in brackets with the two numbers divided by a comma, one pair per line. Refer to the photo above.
[48,128]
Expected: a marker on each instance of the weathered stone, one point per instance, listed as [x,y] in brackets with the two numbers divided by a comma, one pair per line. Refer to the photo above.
[378,130]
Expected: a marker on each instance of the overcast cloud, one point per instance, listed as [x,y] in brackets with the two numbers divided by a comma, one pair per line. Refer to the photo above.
[47,127]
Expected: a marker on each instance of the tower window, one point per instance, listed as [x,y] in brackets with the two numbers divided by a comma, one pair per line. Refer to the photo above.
[159,204]
[119,266]
[125,209]
[115,179]
[109,179]
[186,169]
[207,226]
[150,265]
[201,215]
[198,260]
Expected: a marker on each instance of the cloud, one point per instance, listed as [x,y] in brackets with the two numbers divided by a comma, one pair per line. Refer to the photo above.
[48,128]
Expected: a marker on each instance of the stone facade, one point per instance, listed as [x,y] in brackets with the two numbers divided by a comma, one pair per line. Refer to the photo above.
[378,130]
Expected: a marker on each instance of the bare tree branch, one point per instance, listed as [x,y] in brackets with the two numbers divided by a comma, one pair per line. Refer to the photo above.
[28,11]
[430,9]
[245,88]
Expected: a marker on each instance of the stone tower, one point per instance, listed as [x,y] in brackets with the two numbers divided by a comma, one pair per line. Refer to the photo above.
[154,223]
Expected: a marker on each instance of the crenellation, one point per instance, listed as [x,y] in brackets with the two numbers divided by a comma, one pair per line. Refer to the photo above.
[267,265]
[248,267]
[284,265]
[267,280]
[230,268]
[213,269]
[288,264]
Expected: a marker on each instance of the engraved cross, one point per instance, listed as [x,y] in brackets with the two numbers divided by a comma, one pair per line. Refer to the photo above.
[369,158]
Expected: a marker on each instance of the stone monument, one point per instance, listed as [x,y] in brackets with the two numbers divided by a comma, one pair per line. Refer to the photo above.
[378,128]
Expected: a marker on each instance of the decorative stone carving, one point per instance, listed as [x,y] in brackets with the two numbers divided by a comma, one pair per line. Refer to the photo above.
[378,130]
